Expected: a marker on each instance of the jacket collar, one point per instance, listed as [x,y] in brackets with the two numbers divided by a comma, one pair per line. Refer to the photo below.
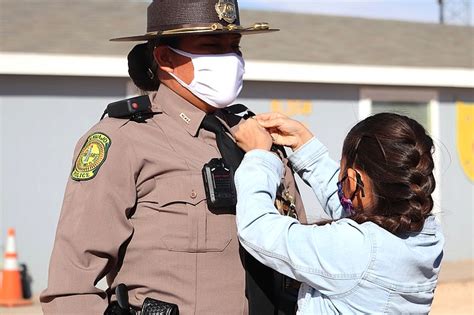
[430,226]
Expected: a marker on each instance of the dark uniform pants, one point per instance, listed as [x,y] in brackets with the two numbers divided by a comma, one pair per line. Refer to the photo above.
[266,290]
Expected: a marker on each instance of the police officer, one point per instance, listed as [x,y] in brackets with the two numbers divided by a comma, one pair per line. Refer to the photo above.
[135,209]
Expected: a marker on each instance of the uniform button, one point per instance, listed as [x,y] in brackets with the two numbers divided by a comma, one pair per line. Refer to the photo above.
[193,194]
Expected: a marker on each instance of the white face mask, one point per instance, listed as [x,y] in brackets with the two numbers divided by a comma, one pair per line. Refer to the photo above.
[217,78]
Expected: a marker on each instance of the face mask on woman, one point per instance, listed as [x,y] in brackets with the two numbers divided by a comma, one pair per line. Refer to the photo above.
[217,79]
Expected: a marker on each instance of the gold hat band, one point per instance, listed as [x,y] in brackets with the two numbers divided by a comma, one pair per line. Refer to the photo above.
[212,27]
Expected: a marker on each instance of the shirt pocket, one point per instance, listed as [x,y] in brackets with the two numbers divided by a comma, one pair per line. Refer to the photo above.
[185,223]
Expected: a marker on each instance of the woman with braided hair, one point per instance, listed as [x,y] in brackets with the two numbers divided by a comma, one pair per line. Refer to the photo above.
[382,250]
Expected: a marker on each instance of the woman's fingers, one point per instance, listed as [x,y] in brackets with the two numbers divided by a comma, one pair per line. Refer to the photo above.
[284,130]
[275,122]
[272,120]
[250,135]
[269,116]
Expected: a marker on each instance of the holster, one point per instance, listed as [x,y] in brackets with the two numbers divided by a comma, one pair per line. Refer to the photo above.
[150,307]
[156,307]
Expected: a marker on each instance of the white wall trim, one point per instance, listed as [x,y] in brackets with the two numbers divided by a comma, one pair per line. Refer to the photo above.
[359,74]
[63,65]
[108,66]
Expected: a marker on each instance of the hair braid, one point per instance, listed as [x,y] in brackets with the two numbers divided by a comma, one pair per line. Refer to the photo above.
[396,154]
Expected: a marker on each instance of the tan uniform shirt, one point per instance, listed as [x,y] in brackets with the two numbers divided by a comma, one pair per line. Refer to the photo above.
[143,221]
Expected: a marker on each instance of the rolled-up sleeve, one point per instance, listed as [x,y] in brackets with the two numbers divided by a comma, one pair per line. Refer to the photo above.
[93,225]
[331,258]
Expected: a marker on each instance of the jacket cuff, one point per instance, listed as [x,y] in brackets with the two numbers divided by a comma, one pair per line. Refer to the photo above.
[307,154]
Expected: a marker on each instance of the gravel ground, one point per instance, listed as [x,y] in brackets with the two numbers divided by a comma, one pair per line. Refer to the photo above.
[454,298]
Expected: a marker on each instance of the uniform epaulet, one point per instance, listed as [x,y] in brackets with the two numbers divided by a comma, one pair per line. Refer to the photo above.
[136,108]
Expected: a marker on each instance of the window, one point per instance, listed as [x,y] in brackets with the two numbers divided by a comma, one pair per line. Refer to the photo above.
[419,104]
[416,110]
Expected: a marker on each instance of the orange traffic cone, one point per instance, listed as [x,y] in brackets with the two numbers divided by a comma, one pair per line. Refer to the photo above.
[11,291]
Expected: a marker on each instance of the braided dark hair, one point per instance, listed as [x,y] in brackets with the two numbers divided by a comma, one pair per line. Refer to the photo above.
[396,154]
[142,67]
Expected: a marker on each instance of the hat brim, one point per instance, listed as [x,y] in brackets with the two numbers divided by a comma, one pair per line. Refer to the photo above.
[194,31]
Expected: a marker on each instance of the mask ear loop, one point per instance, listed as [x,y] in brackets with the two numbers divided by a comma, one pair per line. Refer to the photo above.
[360,184]
[153,67]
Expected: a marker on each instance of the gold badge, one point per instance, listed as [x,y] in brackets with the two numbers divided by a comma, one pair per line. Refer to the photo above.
[91,157]
[226,10]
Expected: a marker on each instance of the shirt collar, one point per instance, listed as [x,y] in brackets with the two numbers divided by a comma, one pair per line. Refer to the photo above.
[229,121]
[184,113]
[430,226]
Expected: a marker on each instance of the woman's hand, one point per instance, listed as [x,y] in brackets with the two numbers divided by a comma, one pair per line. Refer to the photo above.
[250,135]
[284,130]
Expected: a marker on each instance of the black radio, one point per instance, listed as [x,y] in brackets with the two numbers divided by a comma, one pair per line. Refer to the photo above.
[135,108]
[219,185]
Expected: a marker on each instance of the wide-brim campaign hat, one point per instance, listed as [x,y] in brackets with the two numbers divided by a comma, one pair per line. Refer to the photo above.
[186,17]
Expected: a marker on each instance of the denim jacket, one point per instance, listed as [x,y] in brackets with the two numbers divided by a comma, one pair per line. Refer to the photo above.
[344,267]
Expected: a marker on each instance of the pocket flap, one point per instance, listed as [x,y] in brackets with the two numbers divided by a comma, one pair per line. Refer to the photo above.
[182,188]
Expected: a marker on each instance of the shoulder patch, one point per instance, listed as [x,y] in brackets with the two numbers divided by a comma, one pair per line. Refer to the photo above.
[91,157]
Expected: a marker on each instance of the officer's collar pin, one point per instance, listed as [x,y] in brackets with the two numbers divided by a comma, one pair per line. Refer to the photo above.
[185,118]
